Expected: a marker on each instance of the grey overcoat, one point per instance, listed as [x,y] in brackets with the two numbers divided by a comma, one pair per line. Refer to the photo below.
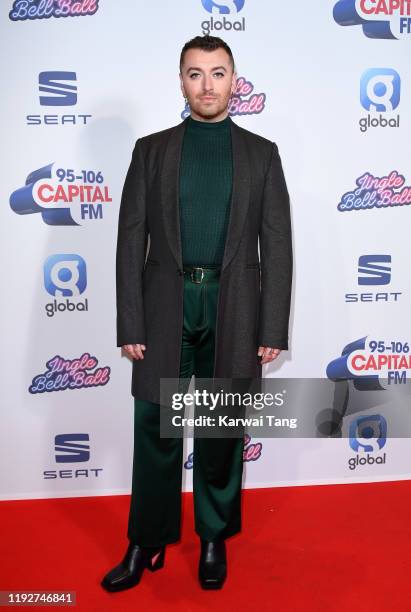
[254,295]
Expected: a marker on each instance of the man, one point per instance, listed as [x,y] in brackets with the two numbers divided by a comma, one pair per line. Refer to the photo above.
[205,192]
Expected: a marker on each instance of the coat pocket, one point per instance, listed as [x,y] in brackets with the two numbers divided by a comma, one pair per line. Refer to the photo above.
[252,265]
[152,262]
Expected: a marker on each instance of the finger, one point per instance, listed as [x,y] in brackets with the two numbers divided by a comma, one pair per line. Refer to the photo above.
[138,352]
[265,355]
[128,348]
[134,351]
[270,354]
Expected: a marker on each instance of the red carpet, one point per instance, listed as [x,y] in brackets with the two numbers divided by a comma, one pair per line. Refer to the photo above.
[317,548]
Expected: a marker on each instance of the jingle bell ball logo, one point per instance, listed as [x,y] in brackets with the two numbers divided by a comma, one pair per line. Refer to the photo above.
[63,195]
[23,10]
[244,101]
[252,451]
[223,16]
[63,374]
[389,19]
[376,192]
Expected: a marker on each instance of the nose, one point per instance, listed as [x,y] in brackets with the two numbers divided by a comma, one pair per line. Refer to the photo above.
[207,84]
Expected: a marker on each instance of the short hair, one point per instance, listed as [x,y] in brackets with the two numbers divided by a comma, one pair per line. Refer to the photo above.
[207,43]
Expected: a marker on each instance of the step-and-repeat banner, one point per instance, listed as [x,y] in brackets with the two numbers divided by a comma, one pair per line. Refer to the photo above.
[330,83]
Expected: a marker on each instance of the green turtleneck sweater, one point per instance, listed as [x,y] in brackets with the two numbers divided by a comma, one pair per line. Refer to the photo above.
[205,191]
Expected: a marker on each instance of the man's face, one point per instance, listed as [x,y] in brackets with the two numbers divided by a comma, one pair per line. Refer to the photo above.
[207,80]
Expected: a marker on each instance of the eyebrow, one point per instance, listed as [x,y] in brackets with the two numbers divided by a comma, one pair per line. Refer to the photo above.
[200,70]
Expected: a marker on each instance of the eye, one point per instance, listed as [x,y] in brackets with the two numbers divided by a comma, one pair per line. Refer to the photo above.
[219,73]
[193,74]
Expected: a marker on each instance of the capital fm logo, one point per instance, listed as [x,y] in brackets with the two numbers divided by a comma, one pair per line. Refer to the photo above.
[225,9]
[72,448]
[367,435]
[389,19]
[65,279]
[63,374]
[368,363]
[244,101]
[29,10]
[63,195]
[376,192]
[380,92]
[57,89]
[374,271]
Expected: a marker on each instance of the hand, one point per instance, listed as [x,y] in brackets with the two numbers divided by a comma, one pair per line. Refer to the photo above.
[268,353]
[135,351]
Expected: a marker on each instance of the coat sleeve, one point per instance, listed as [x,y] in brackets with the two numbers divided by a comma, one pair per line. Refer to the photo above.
[132,238]
[275,257]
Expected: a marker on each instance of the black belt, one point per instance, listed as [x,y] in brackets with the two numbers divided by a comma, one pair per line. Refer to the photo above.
[198,274]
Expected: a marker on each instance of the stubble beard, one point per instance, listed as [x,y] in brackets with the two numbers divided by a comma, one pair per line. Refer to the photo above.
[209,112]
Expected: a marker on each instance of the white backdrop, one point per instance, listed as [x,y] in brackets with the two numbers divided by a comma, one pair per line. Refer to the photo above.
[317,78]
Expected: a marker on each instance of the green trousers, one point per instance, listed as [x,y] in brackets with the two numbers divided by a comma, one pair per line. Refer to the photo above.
[155,507]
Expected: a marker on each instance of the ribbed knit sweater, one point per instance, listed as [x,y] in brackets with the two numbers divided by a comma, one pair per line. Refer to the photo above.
[205,191]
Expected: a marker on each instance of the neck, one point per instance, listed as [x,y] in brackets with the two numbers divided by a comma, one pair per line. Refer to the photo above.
[220,117]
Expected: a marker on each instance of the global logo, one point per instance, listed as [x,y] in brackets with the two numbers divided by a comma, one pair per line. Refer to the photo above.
[389,19]
[65,279]
[65,275]
[367,435]
[380,90]
[44,9]
[62,195]
[244,100]
[376,192]
[222,8]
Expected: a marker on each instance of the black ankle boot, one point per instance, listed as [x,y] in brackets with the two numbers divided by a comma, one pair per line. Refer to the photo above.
[128,573]
[212,568]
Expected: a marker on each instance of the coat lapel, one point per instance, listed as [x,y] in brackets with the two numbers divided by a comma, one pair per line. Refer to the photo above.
[170,178]
[240,195]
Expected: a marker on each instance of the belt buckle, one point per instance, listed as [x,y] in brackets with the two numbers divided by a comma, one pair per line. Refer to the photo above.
[202,275]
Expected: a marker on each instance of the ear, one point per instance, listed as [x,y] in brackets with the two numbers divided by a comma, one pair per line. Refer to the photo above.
[182,86]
